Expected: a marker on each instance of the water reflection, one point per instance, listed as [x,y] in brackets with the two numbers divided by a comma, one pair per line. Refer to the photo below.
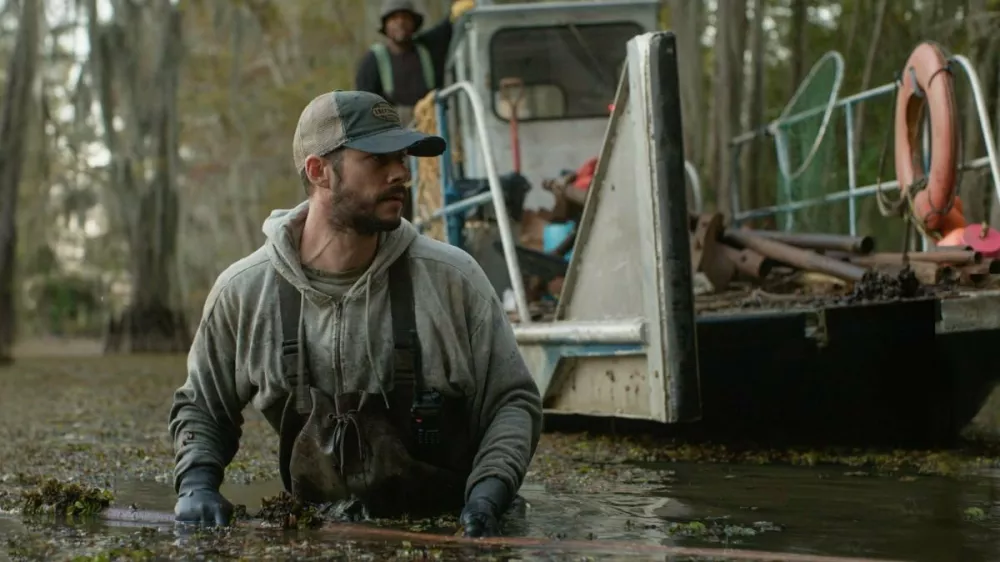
[837,511]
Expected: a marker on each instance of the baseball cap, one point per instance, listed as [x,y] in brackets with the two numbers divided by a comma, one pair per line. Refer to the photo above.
[360,120]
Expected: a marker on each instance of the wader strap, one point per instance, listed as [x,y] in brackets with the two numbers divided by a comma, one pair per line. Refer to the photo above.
[293,357]
[406,355]
[406,352]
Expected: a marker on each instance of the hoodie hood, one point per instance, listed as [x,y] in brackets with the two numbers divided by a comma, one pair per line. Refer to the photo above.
[283,229]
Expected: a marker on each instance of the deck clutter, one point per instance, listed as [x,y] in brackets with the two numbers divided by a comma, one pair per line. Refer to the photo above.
[742,266]
[728,255]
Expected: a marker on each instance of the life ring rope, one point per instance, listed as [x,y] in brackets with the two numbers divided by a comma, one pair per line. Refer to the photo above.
[919,184]
[932,214]
[886,207]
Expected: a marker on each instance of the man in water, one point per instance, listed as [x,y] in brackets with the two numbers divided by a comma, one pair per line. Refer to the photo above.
[407,66]
[383,359]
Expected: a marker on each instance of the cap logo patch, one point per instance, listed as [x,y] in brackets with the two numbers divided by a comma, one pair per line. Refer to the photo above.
[385,112]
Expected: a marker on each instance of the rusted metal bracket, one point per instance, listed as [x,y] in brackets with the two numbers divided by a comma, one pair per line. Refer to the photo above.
[708,253]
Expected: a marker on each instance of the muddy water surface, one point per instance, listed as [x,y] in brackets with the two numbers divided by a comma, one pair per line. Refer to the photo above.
[102,422]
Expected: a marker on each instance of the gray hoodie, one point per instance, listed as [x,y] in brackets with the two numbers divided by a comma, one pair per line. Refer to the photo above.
[468,348]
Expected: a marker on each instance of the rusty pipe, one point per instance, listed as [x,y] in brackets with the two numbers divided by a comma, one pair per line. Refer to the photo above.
[748,262]
[813,241]
[802,259]
[948,248]
[925,272]
[951,257]
[955,257]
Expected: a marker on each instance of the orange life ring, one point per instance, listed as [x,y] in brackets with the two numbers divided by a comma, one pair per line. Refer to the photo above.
[927,83]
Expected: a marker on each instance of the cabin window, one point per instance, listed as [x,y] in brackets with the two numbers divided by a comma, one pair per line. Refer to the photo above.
[567,71]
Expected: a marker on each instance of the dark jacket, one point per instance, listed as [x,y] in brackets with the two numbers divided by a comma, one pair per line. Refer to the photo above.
[436,39]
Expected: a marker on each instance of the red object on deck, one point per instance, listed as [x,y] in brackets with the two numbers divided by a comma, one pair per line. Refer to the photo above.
[986,242]
[585,174]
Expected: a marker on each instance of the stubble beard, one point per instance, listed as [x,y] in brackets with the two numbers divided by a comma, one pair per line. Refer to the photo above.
[350,212]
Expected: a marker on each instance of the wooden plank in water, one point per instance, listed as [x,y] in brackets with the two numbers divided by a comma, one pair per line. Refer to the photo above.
[356,531]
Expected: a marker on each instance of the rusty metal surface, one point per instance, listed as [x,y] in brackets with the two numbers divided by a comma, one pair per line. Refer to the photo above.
[708,253]
[749,262]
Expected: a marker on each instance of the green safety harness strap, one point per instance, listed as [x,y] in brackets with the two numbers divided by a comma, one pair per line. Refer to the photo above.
[384,63]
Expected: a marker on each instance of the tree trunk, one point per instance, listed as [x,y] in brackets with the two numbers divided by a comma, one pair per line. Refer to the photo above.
[686,20]
[852,31]
[797,41]
[755,156]
[14,112]
[866,76]
[144,185]
[729,49]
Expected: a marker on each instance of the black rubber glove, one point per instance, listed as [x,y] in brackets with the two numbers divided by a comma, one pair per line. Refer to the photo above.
[487,502]
[199,500]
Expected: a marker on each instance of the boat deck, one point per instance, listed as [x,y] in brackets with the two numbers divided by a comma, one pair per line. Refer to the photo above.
[961,308]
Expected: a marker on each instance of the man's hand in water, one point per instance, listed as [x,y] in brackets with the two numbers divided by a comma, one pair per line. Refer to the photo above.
[479,520]
[481,516]
[199,500]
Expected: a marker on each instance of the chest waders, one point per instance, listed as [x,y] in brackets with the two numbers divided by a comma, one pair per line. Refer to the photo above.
[412,457]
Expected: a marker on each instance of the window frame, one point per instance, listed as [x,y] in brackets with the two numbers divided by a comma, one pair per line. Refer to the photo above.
[492,81]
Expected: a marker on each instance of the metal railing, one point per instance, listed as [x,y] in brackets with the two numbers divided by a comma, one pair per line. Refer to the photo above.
[495,195]
[853,192]
[695,183]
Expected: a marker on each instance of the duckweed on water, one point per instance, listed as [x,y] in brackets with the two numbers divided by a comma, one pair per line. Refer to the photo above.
[103,419]
[593,453]
[719,530]
[71,500]
[712,529]
[975,514]
[286,512]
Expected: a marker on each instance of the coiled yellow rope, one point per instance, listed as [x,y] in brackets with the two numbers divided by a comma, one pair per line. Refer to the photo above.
[428,183]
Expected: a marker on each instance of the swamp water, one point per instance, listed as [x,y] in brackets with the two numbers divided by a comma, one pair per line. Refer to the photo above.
[102,422]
